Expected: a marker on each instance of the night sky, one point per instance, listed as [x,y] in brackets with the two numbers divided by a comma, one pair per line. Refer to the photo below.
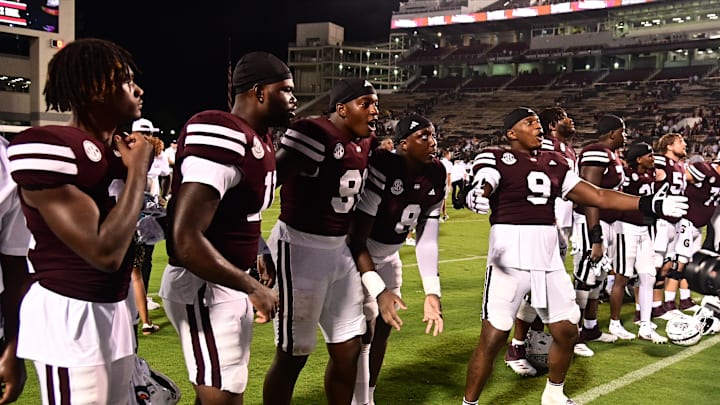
[181,47]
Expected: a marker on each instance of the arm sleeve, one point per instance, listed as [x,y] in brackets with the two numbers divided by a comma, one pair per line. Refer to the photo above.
[218,176]
[426,253]
[571,180]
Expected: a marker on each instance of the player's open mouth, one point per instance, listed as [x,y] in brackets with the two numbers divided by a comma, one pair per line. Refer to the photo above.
[372,125]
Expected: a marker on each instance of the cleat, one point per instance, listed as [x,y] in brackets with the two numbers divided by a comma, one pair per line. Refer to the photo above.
[149,329]
[582,350]
[619,331]
[657,312]
[647,332]
[549,399]
[670,311]
[516,359]
[410,242]
[152,305]
[595,335]
[688,305]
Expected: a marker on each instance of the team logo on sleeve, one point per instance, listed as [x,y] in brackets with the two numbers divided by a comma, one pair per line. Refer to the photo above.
[92,151]
[508,158]
[339,151]
[397,187]
[257,149]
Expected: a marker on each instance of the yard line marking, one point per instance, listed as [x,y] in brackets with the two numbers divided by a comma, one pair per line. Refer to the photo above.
[633,376]
[464,259]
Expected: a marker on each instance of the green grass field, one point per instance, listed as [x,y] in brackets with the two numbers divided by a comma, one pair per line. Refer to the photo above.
[421,369]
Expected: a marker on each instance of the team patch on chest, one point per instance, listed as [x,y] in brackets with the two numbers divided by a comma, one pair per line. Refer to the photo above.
[339,151]
[508,159]
[257,149]
[397,187]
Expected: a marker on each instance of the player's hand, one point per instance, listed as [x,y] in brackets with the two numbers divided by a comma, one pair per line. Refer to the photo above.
[135,151]
[661,203]
[387,305]
[265,301]
[476,202]
[433,314]
[266,270]
[596,253]
[12,376]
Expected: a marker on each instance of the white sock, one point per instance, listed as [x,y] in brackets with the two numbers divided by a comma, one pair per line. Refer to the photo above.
[372,395]
[555,390]
[362,380]
[669,296]
[589,323]
[656,304]
[615,322]
[466,402]
[516,342]
[684,293]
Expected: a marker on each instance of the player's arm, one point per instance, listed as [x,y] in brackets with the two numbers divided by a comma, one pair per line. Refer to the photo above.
[360,229]
[659,203]
[426,252]
[75,218]
[195,207]
[593,175]
[12,369]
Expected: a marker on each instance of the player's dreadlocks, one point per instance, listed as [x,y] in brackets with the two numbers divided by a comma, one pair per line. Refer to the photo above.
[84,71]
[550,116]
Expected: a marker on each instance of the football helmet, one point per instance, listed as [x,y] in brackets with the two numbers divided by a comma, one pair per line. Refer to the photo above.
[537,348]
[684,330]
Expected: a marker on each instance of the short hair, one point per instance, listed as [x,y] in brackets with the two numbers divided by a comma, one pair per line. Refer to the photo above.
[667,140]
[84,71]
[550,115]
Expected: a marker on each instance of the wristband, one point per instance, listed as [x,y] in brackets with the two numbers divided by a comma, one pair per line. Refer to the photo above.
[373,283]
[595,234]
[431,285]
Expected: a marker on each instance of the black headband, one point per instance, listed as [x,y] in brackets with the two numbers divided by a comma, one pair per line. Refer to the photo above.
[409,125]
[516,115]
[349,89]
[258,68]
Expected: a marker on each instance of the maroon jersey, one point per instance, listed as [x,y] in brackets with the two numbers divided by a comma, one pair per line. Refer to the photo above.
[675,175]
[599,155]
[226,139]
[320,203]
[55,156]
[639,184]
[397,198]
[703,195]
[554,144]
[524,186]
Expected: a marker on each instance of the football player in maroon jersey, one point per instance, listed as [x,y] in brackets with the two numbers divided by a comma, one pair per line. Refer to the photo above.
[599,164]
[322,167]
[404,190]
[224,177]
[670,169]
[519,186]
[74,322]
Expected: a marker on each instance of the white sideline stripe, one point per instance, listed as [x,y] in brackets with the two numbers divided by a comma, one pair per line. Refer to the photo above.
[633,376]
[464,259]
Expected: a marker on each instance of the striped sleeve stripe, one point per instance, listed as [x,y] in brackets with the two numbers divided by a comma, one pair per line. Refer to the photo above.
[211,129]
[302,148]
[40,149]
[587,158]
[660,161]
[696,173]
[300,137]
[205,140]
[547,144]
[377,183]
[44,165]
[380,178]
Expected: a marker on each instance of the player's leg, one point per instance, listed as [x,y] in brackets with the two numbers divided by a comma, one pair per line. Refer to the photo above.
[372,355]
[342,322]
[562,316]
[215,340]
[503,293]
[516,357]
[65,385]
[623,263]
[302,283]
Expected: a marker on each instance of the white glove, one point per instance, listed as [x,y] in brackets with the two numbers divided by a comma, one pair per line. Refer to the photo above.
[476,202]
[661,203]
